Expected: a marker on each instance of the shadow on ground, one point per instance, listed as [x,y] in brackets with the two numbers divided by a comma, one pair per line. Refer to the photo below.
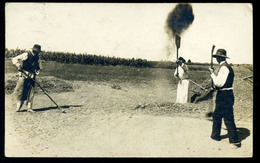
[54,107]
[243,133]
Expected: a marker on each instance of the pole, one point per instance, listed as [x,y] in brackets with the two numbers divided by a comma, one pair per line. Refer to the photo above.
[212,50]
[212,101]
[63,111]
[177,63]
[198,85]
[178,44]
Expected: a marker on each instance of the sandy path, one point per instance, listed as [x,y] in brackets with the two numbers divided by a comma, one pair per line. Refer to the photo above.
[98,124]
[147,136]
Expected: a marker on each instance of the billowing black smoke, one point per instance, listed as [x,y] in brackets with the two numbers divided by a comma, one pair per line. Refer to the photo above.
[180,18]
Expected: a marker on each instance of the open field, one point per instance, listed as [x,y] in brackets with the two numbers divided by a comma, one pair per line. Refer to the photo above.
[120,111]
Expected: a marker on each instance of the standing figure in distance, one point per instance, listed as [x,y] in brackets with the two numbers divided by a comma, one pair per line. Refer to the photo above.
[223,81]
[183,90]
[27,62]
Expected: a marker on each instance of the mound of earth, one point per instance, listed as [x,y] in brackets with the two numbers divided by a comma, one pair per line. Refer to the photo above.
[175,109]
[48,83]
[243,92]
[198,94]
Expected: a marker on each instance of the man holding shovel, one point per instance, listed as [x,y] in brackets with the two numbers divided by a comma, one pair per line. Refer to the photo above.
[223,81]
[27,63]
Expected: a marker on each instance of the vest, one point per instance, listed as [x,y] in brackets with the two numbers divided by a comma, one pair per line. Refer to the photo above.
[31,63]
[230,77]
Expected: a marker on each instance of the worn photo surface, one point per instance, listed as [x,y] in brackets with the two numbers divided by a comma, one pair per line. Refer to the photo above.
[128,80]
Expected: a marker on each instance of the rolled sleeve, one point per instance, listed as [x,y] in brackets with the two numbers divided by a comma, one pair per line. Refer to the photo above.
[220,79]
[18,59]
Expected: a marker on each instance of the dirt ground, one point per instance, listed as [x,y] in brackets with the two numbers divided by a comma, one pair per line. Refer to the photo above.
[124,120]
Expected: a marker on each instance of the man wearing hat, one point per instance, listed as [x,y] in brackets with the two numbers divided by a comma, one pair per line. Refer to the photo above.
[183,89]
[27,62]
[223,81]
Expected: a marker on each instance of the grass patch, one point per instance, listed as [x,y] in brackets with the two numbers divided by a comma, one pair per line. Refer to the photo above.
[111,74]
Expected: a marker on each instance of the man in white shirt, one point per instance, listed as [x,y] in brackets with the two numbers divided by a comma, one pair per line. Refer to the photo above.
[223,81]
[183,89]
[27,62]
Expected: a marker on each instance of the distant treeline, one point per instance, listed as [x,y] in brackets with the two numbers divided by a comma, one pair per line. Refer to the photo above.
[92,59]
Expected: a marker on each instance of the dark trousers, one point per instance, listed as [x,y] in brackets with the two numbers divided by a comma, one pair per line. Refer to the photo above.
[224,109]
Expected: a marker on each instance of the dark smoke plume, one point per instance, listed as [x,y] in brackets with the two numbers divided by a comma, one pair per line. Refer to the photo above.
[180,18]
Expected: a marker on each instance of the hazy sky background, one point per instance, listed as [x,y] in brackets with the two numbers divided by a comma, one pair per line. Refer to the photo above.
[130,30]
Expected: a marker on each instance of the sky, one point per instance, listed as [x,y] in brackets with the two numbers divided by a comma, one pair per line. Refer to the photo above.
[131,30]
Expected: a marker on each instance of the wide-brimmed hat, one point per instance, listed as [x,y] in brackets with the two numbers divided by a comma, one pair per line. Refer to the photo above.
[37,48]
[221,53]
